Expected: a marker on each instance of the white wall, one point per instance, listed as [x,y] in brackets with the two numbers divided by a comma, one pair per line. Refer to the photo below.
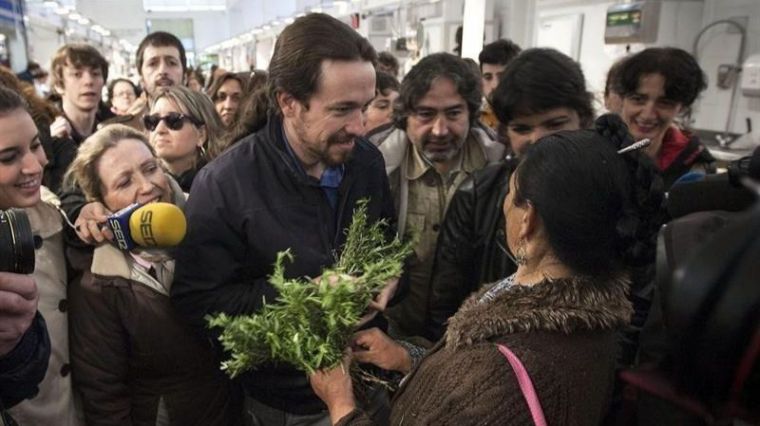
[680,23]
[44,41]
[719,47]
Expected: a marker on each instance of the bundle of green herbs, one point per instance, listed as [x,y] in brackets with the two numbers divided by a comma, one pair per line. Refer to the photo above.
[311,322]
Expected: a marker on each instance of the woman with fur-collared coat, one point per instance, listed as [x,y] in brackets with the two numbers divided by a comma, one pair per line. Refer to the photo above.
[574,224]
[134,361]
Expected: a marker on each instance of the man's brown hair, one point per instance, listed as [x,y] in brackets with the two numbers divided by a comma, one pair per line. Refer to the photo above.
[76,55]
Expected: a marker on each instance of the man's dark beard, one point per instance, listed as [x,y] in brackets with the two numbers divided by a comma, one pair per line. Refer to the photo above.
[335,139]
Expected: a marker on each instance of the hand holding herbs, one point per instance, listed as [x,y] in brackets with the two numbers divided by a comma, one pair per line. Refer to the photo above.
[311,323]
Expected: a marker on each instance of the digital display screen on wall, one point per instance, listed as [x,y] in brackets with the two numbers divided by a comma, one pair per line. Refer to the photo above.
[618,19]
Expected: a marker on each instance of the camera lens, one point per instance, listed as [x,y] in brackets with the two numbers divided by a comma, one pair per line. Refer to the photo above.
[16,242]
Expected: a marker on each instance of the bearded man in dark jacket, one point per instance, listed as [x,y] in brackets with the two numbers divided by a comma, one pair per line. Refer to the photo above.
[293,183]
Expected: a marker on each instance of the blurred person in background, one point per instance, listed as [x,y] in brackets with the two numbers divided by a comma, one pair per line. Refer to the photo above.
[494,58]
[228,93]
[257,80]
[195,80]
[388,64]
[613,101]
[379,112]
[122,93]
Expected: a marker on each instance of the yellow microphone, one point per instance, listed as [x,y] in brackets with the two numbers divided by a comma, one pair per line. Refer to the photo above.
[157,225]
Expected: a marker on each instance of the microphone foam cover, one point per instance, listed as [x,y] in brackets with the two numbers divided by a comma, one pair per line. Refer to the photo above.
[158,225]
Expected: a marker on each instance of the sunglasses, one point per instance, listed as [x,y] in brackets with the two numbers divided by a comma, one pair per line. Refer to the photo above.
[173,120]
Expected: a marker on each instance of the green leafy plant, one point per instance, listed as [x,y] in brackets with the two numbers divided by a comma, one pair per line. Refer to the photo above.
[311,322]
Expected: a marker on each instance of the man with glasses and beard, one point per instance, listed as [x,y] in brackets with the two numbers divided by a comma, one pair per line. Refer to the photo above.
[436,145]
[291,184]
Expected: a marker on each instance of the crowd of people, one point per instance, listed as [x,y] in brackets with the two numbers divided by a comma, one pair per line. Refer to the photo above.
[534,221]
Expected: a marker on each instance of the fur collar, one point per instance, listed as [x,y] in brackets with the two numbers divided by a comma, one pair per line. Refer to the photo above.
[563,305]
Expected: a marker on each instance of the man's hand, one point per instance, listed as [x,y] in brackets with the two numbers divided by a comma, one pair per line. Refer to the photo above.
[381,301]
[90,224]
[18,305]
[375,347]
[334,388]
[60,128]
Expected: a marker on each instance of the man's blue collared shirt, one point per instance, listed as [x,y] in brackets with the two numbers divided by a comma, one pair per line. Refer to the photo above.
[330,179]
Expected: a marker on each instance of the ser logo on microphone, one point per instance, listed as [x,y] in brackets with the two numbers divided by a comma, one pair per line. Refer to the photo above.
[146,229]
[118,233]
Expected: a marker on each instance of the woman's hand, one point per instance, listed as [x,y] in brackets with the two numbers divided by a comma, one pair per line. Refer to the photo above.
[334,388]
[375,347]
[90,223]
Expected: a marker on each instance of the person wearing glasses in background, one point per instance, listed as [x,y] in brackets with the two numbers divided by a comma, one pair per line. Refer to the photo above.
[227,93]
[185,131]
[122,93]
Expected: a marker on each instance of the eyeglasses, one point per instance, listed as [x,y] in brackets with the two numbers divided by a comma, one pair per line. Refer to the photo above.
[173,120]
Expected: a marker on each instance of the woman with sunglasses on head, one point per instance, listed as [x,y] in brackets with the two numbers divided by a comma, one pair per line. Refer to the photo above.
[577,220]
[542,91]
[133,359]
[185,131]
[22,160]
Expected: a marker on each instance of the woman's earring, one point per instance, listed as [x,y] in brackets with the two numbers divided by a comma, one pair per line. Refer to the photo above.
[521,254]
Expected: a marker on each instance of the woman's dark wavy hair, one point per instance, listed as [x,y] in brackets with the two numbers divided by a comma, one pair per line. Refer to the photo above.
[417,83]
[296,65]
[601,210]
[684,79]
[538,80]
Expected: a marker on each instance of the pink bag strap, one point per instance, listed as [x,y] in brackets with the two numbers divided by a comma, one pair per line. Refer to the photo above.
[526,386]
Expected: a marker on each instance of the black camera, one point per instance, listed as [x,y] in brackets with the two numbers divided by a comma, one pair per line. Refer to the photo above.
[16,242]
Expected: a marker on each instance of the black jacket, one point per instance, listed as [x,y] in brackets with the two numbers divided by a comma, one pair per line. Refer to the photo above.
[244,207]
[470,250]
[25,366]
